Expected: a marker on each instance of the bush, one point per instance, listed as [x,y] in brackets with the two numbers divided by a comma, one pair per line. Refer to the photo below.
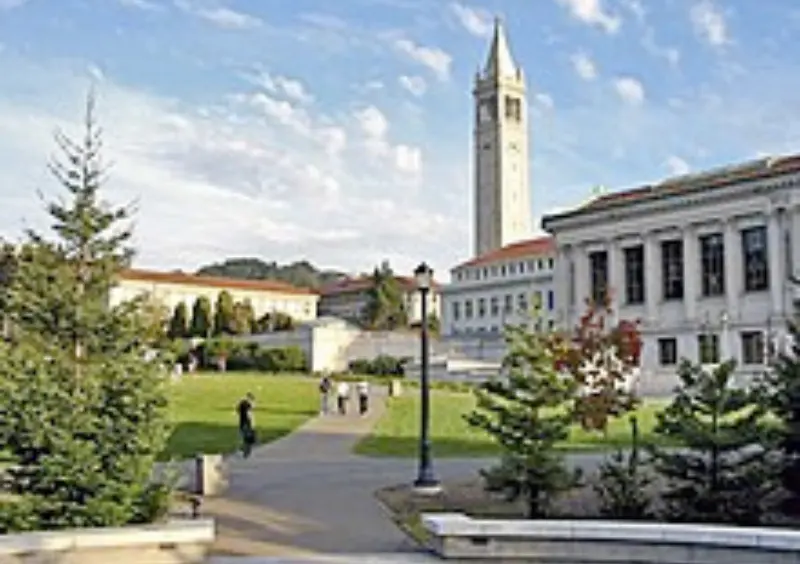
[247,356]
[381,365]
[283,359]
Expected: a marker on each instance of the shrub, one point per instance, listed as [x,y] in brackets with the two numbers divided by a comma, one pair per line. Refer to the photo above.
[381,365]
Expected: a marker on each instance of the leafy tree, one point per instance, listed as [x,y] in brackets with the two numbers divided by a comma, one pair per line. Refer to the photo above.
[726,472]
[224,314]
[274,321]
[527,414]
[83,410]
[603,361]
[623,483]
[784,382]
[243,318]
[179,322]
[200,326]
[385,309]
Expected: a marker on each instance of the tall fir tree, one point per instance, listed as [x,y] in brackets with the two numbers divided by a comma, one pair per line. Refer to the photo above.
[179,322]
[243,318]
[201,325]
[725,471]
[83,410]
[385,309]
[224,314]
[527,413]
[783,380]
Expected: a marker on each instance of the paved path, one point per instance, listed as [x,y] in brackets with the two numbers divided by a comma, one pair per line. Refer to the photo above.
[307,494]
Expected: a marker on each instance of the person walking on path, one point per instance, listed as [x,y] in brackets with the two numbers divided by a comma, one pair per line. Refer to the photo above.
[342,395]
[362,388]
[246,426]
[324,392]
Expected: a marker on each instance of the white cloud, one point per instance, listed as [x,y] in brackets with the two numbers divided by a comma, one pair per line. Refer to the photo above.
[435,59]
[584,66]
[11,4]
[248,175]
[630,90]
[146,5]
[545,100]
[677,166]
[709,23]
[292,88]
[476,21]
[671,54]
[222,17]
[592,12]
[416,85]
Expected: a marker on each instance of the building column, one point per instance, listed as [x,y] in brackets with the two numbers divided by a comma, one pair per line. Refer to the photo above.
[691,273]
[777,274]
[652,277]
[733,270]
[581,261]
[561,286]
[616,279]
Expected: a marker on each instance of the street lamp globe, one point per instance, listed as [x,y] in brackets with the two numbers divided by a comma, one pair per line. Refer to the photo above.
[423,276]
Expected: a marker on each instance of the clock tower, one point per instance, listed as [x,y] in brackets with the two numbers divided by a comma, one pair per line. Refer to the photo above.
[502,194]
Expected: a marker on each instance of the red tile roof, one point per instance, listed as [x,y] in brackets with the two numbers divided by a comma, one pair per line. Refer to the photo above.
[362,283]
[213,282]
[715,178]
[521,249]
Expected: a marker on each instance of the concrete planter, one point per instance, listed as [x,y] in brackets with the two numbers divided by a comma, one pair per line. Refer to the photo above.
[174,542]
[458,536]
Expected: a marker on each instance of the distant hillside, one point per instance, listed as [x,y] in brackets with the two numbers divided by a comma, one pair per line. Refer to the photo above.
[301,273]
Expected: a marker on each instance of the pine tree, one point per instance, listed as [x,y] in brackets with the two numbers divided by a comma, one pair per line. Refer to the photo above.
[527,413]
[243,318]
[224,314]
[179,323]
[200,326]
[783,381]
[385,309]
[622,487]
[83,409]
[725,471]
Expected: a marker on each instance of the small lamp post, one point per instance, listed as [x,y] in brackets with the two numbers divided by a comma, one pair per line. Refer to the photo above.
[426,480]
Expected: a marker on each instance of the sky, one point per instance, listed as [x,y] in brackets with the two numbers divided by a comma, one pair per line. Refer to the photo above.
[340,132]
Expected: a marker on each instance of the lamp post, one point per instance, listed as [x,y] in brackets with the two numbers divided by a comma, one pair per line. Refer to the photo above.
[426,480]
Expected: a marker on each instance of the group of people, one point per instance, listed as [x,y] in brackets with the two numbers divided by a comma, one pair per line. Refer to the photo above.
[342,393]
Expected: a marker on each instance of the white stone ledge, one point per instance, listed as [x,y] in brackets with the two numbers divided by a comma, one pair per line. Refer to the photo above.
[195,532]
[456,534]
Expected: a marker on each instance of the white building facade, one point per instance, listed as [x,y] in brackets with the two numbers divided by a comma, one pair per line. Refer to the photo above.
[703,261]
[499,288]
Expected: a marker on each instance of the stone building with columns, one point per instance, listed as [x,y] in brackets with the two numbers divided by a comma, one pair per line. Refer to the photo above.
[703,261]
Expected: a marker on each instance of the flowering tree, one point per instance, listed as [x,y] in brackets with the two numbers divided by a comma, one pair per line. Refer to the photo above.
[603,360]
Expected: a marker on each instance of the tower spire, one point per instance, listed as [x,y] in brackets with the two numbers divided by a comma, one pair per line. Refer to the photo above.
[500,61]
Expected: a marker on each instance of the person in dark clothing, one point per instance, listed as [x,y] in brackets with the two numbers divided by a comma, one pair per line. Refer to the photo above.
[324,391]
[246,426]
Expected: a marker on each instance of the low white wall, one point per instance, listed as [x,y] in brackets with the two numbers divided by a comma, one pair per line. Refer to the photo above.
[608,542]
[178,542]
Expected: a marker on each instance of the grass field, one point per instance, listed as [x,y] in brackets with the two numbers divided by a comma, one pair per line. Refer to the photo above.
[204,409]
[396,434]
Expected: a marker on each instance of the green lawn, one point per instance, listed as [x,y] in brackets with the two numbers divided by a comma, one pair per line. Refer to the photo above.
[204,409]
[396,434]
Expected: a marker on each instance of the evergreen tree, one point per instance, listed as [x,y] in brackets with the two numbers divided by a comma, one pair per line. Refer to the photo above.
[243,318]
[527,413]
[83,410]
[224,314]
[783,381]
[179,322]
[725,471]
[200,326]
[385,309]
[623,482]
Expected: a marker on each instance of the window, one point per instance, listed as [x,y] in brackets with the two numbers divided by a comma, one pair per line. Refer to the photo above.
[481,307]
[512,268]
[712,264]
[754,255]
[513,108]
[708,348]
[531,266]
[551,300]
[598,270]
[494,307]
[541,264]
[522,302]
[672,269]
[753,348]
[456,311]
[668,352]
[485,273]
[634,274]
[551,324]
[468,309]
[458,276]
[522,268]
[503,270]
[537,299]
[551,263]
[508,303]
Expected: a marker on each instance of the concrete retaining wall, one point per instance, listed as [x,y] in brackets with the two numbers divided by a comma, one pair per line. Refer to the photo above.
[178,542]
[608,542]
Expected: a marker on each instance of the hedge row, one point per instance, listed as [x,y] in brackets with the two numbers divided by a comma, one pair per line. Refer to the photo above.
[381,365]
[232,355]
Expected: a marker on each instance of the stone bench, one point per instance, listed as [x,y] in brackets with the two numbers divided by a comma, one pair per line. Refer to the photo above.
[454,535]
[176,542]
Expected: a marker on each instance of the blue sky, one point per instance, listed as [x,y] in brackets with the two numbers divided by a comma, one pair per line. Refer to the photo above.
[340,131]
